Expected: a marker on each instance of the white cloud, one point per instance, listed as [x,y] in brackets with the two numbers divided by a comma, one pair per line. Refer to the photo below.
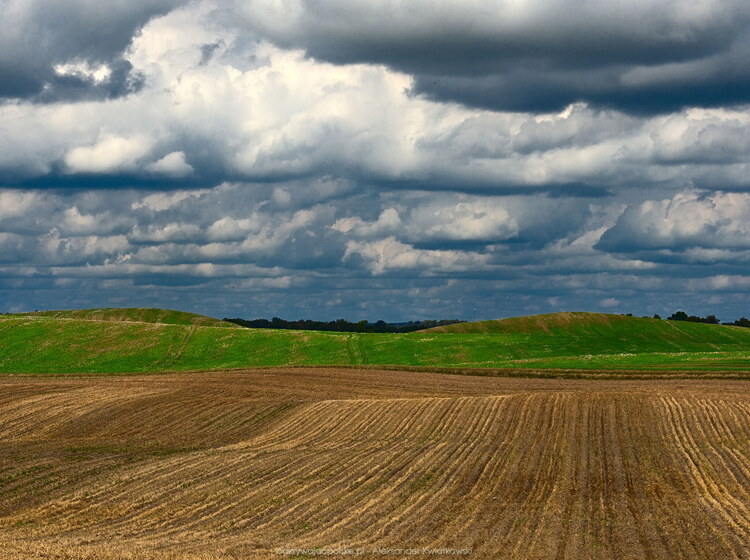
[17,203]
[84,69]
[170,232]
[110,154]
[687,220]
[62,250]
[231,229]
[387,223]
[159,202]
[472,220]
[442,219]
[173,165]
[389,254]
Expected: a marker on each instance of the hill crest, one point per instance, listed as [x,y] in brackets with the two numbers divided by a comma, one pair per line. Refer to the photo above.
[134,315]
[552,323]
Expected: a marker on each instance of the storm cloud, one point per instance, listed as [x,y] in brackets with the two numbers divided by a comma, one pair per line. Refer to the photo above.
[535,55]
[375,159]
[51,51]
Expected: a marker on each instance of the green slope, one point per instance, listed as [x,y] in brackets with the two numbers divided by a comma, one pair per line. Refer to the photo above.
[50,344]
[135,314]
[566,322]
[604,333]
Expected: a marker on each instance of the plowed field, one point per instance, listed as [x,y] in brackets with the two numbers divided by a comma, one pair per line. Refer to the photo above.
[303,462]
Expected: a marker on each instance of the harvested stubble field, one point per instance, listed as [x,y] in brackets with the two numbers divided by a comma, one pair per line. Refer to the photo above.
[242,464]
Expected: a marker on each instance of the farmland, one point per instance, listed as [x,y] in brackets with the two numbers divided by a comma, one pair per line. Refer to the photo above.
[243,464]
[127,341]
[565,436]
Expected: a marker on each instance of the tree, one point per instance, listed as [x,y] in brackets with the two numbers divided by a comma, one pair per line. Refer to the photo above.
[678,316]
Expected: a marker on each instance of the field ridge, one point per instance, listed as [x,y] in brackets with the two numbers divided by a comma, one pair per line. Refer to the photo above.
[241,465]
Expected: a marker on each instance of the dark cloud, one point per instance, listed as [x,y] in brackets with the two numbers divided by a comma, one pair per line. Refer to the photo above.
[533,55]
[207,52]
[52,51]
[121,80]
[551,89]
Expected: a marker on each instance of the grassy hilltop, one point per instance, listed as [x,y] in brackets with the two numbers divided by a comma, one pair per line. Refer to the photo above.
[135,315]
[124,341]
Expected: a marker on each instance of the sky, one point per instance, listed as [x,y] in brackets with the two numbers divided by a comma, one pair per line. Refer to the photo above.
[389,159]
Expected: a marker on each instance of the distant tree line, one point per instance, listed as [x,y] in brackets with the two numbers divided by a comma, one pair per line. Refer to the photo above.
[710,319]
[682,316]
[342,325]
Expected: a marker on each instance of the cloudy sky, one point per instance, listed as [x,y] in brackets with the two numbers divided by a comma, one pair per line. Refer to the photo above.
[394,159]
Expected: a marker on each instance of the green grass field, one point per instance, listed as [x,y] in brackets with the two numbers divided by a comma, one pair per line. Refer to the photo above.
[100,341]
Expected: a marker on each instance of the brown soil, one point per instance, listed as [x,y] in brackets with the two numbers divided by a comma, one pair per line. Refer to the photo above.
[250,464]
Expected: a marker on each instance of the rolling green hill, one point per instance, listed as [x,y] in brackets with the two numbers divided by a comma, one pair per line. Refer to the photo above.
[606,332]
[565,322]
[135,315]
[45,343]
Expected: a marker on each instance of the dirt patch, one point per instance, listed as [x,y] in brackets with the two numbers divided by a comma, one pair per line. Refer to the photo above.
[243,464]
